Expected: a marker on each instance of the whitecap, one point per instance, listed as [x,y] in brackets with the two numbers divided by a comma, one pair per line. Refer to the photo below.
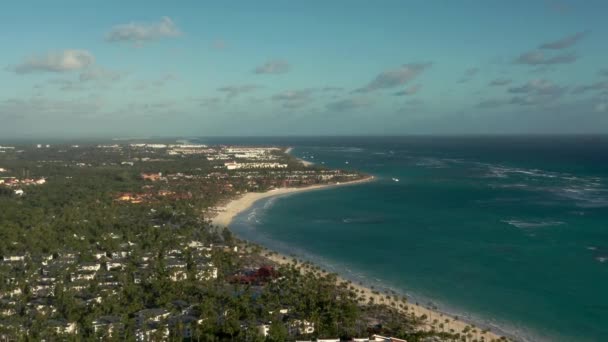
[269,203]
[539,224]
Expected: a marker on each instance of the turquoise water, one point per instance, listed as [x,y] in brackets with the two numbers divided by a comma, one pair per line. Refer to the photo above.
[512,231]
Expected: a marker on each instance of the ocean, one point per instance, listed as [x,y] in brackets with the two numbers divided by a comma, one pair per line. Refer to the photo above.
[510,231]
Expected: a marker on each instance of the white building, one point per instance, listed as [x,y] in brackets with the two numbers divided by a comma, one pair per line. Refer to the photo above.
[302,327]
[14,258]
[263,329]
[90,267]
[231,165]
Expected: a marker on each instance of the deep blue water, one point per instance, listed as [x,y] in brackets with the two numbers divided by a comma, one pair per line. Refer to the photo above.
[511,230]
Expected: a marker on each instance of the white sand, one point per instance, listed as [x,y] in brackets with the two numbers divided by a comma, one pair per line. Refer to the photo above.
[244,202]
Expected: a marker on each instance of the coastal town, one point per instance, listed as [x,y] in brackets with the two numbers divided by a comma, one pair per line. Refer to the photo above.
[128,241]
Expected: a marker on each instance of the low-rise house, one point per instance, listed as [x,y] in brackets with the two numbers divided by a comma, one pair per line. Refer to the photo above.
[63,327]
[150,324]
[151,315]
[89,266]
[137,278]
[52,270]
[199,246]
[10,329]
[99,255]
[147,257]
[178,274]
[119,254]
[107,279]
[301,327]
[43,306]
[174,253]
[7,312]
[45,259]
[182,325]
[90,298]
[263,329]
[7,307]
[79,285]
[66,259]
[206,271]
[83,275]
[151,176]
[379,338]
[14,258]
[12,292]
[108,326]
[115,265]
[152,332]
[175,263]
[43,288]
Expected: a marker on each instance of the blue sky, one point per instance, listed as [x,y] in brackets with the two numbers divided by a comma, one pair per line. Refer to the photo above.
[74,68]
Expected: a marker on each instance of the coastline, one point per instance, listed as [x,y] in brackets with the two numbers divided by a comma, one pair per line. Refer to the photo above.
[434,317]
[449,322]
[303,161]
[240,204]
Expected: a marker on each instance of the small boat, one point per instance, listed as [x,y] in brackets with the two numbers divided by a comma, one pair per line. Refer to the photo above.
[395,179]
[346,162]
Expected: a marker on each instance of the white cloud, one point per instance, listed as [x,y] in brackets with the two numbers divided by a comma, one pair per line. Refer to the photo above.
[50,108]
[99,74]
[538,58]
[350,104]
[139,33]
[59,61]
[536,92]
[468,75]
[565,42]
[500,82]
[409,90]
[155,84]
[273,67]
[236,90]
[591,87]
[295,98]
[395,77]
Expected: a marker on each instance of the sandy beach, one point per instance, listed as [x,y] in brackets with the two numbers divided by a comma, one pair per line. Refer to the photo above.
[236,206]
[436,320]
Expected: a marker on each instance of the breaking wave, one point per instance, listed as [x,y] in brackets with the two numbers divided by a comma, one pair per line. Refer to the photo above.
[538,224]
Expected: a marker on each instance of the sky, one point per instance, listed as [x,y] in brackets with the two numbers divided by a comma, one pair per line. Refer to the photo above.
[343,67]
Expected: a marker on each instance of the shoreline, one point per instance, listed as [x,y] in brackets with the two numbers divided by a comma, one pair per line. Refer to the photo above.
[379,294]
[455,322]
[244,202]
[303,161]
